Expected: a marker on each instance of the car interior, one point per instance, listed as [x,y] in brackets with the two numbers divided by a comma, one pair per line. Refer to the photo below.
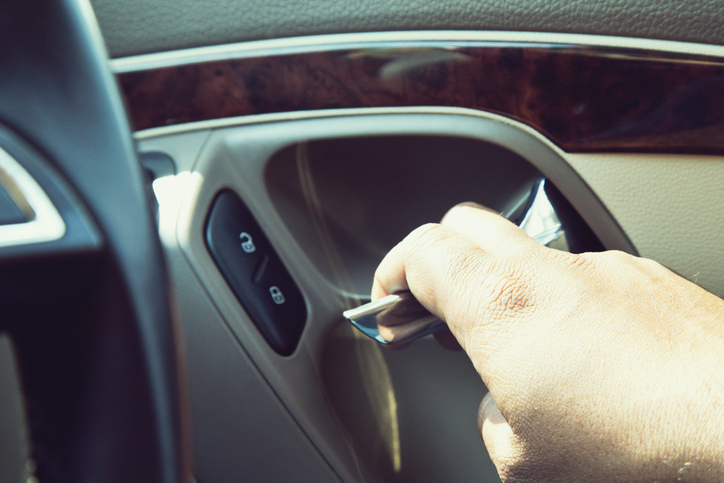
[193,192]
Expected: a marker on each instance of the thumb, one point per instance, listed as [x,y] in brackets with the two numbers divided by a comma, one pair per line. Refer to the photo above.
[496,432]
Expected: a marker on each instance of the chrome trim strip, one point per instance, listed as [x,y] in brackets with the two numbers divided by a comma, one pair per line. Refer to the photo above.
[46,223]
[318,43]
[225,122]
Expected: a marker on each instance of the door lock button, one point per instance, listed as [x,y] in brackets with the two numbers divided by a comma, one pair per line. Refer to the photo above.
[255,273]
[247,243]
[277,295]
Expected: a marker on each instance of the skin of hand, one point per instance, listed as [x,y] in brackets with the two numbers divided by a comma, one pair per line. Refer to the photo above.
[600,366]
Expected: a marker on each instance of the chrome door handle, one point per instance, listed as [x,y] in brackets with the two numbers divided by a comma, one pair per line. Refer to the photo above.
[395,319]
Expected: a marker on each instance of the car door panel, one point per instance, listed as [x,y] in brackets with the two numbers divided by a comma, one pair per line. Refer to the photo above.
[340,143]
[333,193]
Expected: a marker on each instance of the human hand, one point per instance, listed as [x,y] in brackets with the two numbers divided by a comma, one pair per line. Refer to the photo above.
[604,366]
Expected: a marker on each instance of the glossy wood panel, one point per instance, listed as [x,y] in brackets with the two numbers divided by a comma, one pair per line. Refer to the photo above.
[582,98]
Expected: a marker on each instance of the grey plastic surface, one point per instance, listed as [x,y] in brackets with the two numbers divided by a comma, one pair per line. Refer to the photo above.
[374,190]
[669,205]
[14,450]
[305,383]
[436,395]
[140,26]
[241,431]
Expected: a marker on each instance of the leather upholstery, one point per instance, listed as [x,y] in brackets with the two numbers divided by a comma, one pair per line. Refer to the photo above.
[670,207]
[140,26]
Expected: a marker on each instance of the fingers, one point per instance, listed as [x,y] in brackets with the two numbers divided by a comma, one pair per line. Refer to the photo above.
[464,270]
[487,229]
[435,263]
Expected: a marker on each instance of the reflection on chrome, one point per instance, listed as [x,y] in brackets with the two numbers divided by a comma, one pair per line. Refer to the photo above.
[400,318]
[541,221]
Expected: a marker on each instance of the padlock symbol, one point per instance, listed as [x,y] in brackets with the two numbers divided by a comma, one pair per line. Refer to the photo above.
[277,295]
[247,244]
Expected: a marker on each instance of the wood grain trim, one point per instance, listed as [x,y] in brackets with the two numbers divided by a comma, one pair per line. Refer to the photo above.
[584,98]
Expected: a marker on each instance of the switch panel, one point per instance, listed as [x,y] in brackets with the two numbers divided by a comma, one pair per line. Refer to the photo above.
[255,273]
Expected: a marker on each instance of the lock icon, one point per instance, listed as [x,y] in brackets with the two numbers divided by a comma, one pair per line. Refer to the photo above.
[247,244]
[277,295]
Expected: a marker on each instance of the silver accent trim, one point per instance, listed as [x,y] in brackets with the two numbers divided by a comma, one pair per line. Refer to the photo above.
[395,319]
[317,43]
[45,222]
[156,132]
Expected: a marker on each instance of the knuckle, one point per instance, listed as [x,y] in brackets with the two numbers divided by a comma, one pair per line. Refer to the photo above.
[582,262]
[464,268]
[426,236]
[426,231]
[508,291]
[472,205]
[423,230]
[421,238]
[638,266]
[616,257]
[651,266]
[507,297]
